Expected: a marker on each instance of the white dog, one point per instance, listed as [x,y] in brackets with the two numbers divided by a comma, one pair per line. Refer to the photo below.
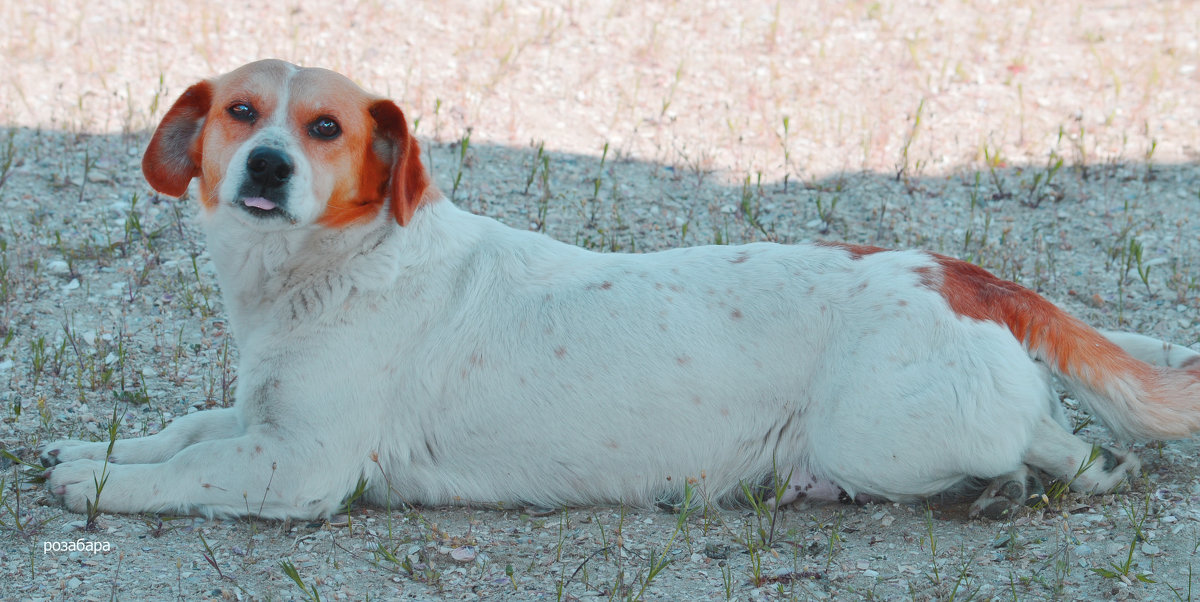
[448,359]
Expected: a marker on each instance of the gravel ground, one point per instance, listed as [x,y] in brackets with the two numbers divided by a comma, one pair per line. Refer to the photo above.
[1052,142]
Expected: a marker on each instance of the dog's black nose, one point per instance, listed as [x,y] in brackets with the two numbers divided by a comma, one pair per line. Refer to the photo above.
[269,167]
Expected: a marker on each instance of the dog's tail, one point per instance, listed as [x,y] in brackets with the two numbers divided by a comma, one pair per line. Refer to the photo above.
[1140,387]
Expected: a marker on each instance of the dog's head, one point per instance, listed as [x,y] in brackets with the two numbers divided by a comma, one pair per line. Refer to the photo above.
[283,146]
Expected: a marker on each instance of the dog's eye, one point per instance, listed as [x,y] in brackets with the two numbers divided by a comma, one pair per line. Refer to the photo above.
[325,128]
[242,112]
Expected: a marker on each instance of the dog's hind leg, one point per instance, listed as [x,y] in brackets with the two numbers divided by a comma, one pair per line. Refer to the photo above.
[182,432]
[1084,467]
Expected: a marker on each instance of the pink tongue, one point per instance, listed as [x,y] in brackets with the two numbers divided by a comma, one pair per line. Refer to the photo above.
[259,203]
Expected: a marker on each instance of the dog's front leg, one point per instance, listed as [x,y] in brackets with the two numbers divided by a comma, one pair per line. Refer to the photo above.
[182,432]
[261,473]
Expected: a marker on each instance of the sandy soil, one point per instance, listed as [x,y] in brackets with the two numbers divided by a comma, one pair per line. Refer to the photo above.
[1052,142]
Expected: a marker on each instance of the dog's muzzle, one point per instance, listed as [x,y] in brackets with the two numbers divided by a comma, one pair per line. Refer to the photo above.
[268,171]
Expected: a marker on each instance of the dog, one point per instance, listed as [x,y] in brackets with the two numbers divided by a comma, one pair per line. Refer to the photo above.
[444,358]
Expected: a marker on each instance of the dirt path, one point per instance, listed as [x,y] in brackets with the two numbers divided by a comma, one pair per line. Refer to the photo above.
[1054,143]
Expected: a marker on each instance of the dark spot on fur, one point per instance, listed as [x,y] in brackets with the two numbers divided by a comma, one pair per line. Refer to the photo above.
[928,278]
[1111,460]
[560,352]
[736,314]
[429,448]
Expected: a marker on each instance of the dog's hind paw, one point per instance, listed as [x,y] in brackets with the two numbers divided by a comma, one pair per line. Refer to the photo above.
[1007,493]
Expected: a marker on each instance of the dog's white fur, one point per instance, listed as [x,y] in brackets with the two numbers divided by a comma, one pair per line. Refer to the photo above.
[454,360]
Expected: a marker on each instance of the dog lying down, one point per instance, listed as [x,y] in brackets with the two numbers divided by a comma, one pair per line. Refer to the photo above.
[448,359]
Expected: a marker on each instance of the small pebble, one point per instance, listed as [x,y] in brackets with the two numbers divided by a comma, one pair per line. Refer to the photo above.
[463,554]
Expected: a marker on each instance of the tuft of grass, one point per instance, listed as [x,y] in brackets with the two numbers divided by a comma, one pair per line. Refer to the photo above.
[904,171]
[993,161]
[659,562]
[1038,189]
[309,592]
[751,206]
[93,505]
[930,539]
[1058,489]
[359,489]
[787,150]
[15,518]
[1124,571]
[590,206]
[8,156]
[1185,596]
[463,145]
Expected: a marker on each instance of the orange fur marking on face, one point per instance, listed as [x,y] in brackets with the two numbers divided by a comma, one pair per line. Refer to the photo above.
[347,207]
[398,176]
[374,160]
[402,177]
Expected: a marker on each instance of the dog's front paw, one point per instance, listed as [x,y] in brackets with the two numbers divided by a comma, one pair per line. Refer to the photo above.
[77,482]
[69,450]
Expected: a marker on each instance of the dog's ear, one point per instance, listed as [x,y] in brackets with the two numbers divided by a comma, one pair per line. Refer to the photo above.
[173,157]
[407,181]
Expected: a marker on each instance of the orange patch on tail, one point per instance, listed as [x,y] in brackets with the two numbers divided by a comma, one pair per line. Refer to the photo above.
[1048,332]
[1133,398]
